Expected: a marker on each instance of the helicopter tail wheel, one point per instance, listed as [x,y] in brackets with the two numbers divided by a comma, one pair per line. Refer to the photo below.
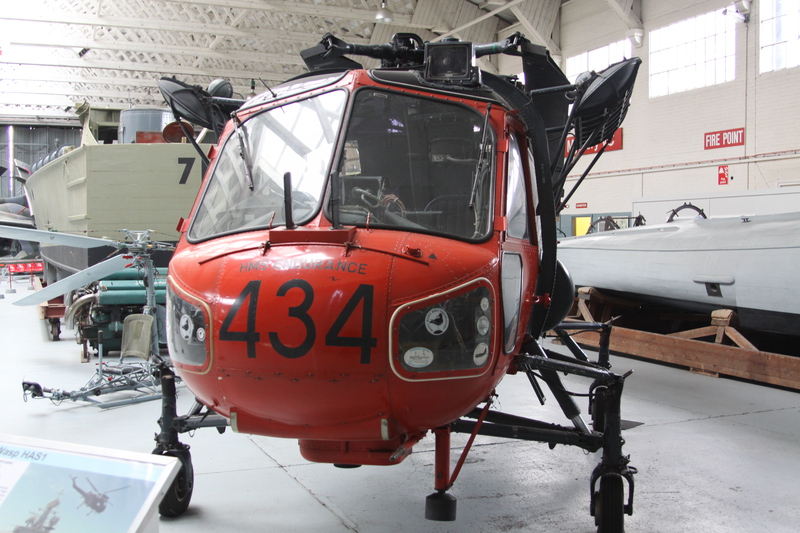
[179,494]
[609,502]
[441,507]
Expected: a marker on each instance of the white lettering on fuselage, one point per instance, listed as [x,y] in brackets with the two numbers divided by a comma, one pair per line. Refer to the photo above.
[332,265]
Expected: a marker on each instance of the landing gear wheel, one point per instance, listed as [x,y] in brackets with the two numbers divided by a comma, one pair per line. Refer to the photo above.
[86,349]
[179,494]
[55,328]
[609,513]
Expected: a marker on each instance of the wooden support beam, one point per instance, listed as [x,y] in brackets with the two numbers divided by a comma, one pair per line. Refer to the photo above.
[763,367]
[719,333]
[744,360]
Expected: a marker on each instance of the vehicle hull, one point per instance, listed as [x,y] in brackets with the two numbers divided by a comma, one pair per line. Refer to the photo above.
[98,190]
[743,263]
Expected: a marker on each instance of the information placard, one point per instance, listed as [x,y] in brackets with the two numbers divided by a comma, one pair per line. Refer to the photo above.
[68,488]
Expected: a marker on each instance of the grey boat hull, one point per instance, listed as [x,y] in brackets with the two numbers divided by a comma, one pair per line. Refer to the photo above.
[749,264]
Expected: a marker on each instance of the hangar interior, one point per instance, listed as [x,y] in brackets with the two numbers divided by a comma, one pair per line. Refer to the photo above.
[712,122]
[673,149]
[713,117]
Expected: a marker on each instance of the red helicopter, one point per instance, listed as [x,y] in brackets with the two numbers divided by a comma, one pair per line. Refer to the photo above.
[374,250]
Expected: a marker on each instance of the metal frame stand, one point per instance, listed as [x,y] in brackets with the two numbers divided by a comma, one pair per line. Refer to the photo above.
[143,376]
[140,376]
[607,503]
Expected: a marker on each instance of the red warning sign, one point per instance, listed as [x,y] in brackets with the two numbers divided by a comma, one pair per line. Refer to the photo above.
[614,144]
[722,175]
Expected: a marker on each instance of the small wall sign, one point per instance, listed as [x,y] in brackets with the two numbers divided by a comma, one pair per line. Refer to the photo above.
[722,175]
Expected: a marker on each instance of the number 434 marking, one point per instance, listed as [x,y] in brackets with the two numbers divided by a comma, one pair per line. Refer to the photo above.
[364,293]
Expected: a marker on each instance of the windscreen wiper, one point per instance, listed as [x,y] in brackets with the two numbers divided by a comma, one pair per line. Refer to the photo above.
[480,158]
[244,152]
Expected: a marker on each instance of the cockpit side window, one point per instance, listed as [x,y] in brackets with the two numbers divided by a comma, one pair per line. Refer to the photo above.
[415,164]
[516,205]
[246,188]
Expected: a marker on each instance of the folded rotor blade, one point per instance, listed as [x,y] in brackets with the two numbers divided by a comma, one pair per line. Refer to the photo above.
[77,280]
[51,237]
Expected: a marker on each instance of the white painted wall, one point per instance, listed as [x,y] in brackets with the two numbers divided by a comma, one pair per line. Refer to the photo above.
[663,150]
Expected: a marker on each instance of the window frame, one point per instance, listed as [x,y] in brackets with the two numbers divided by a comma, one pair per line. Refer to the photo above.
[679,54]
[494,139]
[598,58]
[779,54]
[225,145]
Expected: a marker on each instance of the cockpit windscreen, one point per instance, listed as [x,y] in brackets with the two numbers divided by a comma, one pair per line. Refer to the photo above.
[416,164]
[246,190]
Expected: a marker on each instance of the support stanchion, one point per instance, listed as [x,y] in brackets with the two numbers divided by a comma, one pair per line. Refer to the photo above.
[10,289]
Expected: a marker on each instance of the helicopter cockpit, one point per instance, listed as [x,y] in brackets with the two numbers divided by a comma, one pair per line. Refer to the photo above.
[406,162]
[416,164]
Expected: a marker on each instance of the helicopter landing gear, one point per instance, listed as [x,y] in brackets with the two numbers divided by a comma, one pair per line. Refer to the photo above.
[441,505]
[609,505]
[179,493]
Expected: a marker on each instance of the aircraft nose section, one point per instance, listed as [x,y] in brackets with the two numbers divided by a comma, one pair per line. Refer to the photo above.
[313,339]
[294,339]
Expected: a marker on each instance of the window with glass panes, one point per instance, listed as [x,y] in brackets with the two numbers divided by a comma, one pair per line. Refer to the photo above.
[598,59]
[779,34]
[693,53]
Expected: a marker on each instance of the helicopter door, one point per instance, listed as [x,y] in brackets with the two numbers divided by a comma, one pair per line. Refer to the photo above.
[519,256]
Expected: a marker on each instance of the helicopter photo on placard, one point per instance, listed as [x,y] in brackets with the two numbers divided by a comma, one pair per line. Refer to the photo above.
[64,500]
[92,498]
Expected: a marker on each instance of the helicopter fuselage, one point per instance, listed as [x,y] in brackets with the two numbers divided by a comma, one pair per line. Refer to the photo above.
[392,301]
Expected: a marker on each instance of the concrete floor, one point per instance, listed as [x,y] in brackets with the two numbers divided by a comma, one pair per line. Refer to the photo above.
[714,455]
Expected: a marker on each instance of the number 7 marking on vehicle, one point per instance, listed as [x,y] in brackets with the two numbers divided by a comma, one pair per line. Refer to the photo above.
[188,163]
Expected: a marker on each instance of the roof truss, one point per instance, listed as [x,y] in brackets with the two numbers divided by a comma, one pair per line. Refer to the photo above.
[109,52]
